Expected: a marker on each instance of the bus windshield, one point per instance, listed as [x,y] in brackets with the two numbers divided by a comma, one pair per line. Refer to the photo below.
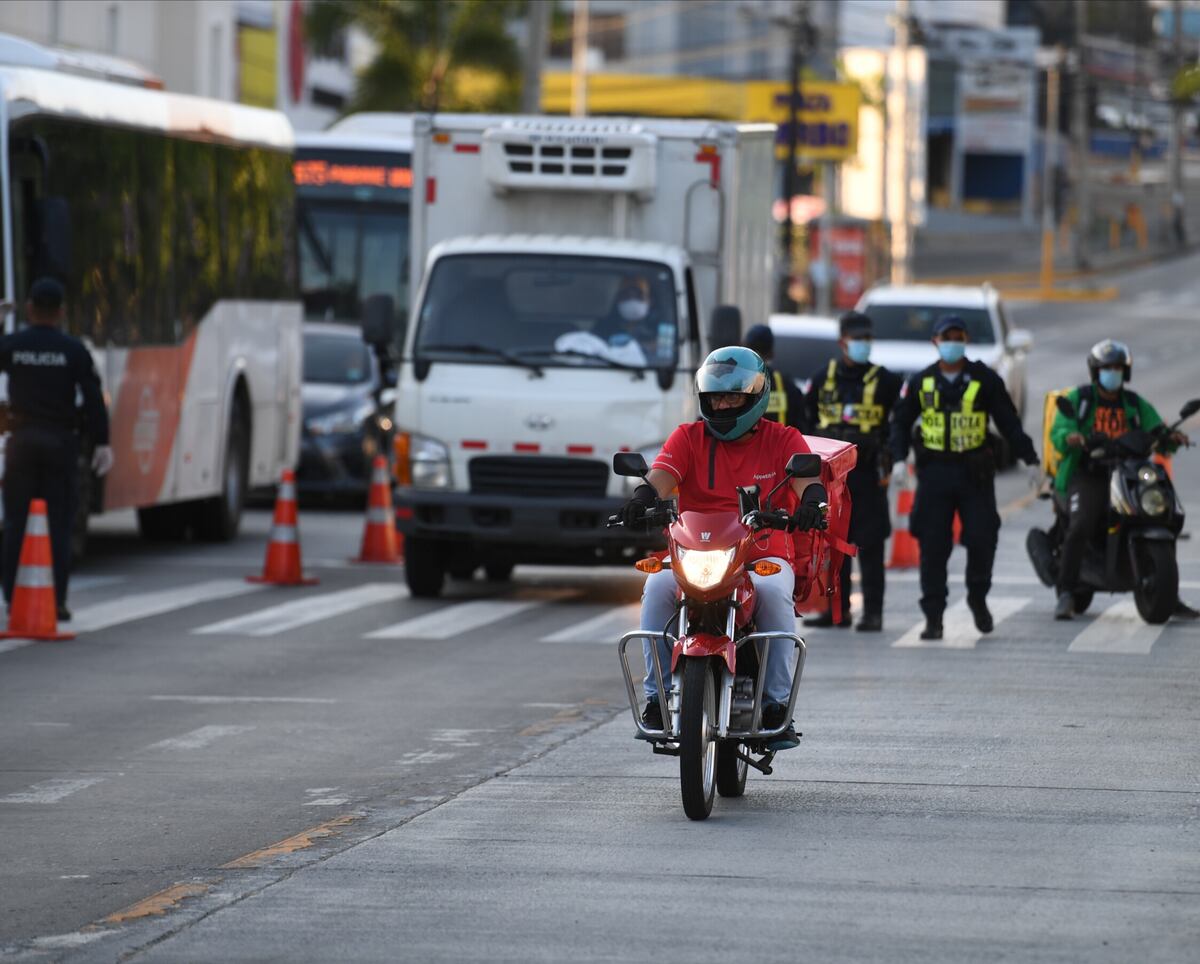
[353,228]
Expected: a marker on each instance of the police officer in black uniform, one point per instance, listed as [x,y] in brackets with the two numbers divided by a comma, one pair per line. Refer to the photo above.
[851,399]
[786,404]
[956,467]
[46,368]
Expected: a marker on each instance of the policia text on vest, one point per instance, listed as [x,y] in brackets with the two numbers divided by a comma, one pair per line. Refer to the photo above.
[956,469]
[852,402]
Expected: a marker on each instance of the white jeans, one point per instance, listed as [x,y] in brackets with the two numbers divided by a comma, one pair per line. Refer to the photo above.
[773,613]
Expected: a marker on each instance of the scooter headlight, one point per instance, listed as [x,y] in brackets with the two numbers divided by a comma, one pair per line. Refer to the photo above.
[1148,474]
[1153,500]
[705,568]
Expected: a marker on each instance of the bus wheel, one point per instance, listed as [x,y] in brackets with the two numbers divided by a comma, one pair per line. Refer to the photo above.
[163,523]
[219,518]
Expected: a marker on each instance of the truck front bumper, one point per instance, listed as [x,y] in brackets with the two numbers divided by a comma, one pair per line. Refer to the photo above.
[548,531]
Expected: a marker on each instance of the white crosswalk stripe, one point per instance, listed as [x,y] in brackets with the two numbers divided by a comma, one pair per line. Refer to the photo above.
[305,610]
[51,791]
[464,617]
[958,625]
[1118,630]
[130,606]
[608,627]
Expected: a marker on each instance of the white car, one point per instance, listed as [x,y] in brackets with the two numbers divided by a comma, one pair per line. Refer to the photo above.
[903,317]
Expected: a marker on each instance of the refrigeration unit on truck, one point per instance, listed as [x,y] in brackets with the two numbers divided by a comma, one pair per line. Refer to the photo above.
[565,272]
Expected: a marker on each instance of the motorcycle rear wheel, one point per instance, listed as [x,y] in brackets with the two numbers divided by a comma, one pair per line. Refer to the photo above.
[731,770]
[697,741]
[1158,581]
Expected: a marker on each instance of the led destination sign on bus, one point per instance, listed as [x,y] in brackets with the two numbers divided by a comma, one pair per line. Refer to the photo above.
[352,175]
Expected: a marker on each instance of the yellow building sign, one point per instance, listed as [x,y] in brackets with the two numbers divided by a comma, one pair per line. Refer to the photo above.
[827,128]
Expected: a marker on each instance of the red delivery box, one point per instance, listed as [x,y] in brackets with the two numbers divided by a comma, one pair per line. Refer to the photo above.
[819,555]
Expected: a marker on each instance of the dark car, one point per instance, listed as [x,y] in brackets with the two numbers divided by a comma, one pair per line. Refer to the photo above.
[347,404]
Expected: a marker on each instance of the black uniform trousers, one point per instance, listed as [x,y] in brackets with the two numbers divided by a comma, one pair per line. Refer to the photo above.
[1087,508]
[946,486]
[870,525]
[40,463]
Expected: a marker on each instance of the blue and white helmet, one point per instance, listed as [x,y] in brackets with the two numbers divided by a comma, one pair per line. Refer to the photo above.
[733,370]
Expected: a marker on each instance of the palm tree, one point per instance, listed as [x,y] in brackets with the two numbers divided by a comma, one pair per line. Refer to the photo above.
[424,47]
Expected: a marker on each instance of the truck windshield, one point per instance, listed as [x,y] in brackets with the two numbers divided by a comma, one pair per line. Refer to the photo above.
[560,310]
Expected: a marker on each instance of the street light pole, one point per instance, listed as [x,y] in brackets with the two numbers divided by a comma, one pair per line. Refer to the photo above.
[1080,134]
[902,227]
[1049,153]
[795,66]
[1175,168]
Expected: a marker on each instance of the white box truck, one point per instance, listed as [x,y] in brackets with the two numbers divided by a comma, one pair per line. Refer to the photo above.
[565,270]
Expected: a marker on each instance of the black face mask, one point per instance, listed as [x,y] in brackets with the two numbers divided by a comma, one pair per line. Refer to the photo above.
[725,419]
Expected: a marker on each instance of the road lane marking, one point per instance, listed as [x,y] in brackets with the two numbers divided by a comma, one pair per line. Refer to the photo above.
[8,645]
[198,739]
[242,699]
[301,612]
[1118,630]
[158,904]
[300,841]
[51,791]
[464,617]
[608,627]
[132,606]
[328,802]
[958,625]
[88,583]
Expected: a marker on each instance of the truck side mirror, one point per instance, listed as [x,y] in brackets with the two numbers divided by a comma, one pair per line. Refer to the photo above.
[379,321]
[632,464]
[725,327]
[53,250]
[803,466]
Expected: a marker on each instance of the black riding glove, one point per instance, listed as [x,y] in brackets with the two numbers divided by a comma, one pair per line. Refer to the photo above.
[633,512]
[808,516]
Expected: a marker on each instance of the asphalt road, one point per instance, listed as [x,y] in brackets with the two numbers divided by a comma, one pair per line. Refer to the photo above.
[214,771]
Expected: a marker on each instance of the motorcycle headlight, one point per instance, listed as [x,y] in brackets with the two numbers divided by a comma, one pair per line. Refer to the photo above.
[1148,474]
[1153,500]
[344,422]
[705,568]
[421,461]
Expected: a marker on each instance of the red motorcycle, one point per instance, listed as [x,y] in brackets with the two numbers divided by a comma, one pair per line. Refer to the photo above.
[712,710]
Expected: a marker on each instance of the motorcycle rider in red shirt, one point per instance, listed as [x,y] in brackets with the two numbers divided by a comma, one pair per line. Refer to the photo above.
[732,445]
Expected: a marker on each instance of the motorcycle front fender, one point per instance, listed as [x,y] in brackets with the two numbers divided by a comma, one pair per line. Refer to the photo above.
[700,645]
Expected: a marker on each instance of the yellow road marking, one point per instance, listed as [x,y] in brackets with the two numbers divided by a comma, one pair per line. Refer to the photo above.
[157,904]
[299,841]
[545,726]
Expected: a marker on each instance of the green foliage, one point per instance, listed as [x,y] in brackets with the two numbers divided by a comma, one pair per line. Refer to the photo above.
[426,49]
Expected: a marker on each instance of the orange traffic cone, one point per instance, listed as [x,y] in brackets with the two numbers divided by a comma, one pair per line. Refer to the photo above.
[906,553]
[33,613]
[283,567]
[380,541]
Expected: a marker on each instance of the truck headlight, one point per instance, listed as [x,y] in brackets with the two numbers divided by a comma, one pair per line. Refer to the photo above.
[421,461]
[705,568]
[1153,500]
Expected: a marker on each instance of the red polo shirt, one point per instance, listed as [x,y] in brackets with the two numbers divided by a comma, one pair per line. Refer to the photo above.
[708,479]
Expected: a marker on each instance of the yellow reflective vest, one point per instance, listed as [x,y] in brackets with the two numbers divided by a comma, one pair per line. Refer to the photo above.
[962,428]
[777,401]
[865,416]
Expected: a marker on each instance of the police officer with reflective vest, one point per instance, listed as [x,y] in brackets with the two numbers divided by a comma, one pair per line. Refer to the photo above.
[851,399]
[46,369]
[786,404]
[956,467]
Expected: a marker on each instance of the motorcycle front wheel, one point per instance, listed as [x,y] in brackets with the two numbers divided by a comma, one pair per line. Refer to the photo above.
[731,770]
[697,740]
[1158,581]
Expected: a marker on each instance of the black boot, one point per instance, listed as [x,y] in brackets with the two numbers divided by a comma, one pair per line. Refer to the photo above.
[772,717]
[1064,608]
[652,715]
[933,628]
[983,616]
[870,623]
[1184,611]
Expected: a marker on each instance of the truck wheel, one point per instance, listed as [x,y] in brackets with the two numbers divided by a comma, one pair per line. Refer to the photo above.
[1158,581]
[163,523]
[219,518]
[424,567]
[731,770]
[697,739]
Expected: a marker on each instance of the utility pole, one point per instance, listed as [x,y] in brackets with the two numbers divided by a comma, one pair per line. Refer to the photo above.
[829,41]
[579,50]
[902,226]
[795,66]
[1175,162]
[537,22]
[1081,137]
[1049,156]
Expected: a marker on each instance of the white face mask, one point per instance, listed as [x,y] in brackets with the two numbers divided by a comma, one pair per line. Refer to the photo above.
[633,309]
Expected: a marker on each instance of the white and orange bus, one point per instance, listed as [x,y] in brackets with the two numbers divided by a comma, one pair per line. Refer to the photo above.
[169,219]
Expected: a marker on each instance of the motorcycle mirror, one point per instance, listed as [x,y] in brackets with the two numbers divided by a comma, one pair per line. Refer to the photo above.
[803,466]
[631,464]
[1190,409]
[1063,404]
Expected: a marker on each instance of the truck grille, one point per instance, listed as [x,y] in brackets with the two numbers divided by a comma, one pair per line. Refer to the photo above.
[534,477]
